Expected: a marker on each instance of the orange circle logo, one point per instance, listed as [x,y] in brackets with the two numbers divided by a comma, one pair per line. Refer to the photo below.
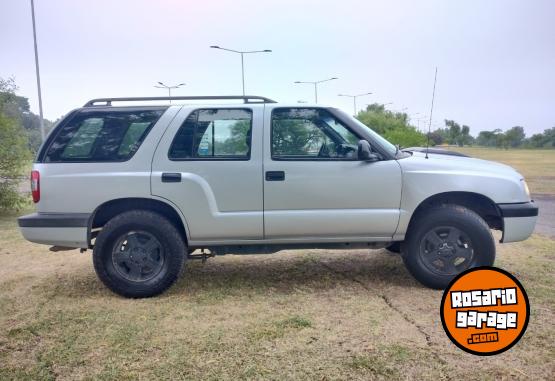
[485,311]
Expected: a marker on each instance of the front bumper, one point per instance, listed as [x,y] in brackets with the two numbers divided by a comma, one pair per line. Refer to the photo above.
[58,229]
[519,220]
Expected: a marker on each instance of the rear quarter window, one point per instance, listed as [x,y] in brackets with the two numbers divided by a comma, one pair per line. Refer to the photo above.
[101,136]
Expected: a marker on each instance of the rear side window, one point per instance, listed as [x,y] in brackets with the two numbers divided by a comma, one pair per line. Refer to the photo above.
[214,134]
[101,136]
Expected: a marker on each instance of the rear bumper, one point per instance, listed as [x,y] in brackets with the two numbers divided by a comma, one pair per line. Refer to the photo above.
[59,229]
[519,220]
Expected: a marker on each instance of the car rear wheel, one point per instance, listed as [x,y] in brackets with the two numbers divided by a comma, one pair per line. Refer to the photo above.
[139,254]
[444,241]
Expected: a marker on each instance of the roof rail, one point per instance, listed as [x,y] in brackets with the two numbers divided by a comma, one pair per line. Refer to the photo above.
[245,98]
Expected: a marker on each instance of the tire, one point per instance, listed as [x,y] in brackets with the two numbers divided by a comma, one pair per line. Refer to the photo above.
[444,241]
[139,254]
[395,247]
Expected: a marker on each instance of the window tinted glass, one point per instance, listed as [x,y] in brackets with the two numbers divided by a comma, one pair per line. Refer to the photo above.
[214,134]
[101,135]
[311,134]
[80,145]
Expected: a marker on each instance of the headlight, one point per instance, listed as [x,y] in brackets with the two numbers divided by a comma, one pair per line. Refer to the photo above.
[526,189]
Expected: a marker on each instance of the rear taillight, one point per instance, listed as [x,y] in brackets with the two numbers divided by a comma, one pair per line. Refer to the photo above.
[35,185]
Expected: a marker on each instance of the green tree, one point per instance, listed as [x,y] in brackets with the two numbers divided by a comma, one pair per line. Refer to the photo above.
[500,139]
[536,141]
[515,136]
[17,107]
[436,137]
[466,138]
[545,139]
[392,126]
[486,138]
[457,134]
[14,152]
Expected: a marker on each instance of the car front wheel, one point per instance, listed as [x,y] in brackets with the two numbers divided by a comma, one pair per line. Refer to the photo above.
[444,241]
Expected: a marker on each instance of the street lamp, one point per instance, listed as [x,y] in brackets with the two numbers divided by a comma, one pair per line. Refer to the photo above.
[161,85]
[413,115]
[41,121]
[354,100]
[242,60]
[418,120]
[315,83]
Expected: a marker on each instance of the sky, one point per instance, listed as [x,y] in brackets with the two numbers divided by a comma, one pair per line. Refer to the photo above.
[495,59]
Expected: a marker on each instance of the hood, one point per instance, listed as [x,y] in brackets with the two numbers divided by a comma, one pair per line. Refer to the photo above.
[435,150]
[457,164]
[443,173]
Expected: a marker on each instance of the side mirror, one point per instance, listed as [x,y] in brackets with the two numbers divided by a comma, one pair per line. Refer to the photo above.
[365,152]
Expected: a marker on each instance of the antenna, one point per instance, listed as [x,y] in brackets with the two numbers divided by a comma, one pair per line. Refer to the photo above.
[431,112]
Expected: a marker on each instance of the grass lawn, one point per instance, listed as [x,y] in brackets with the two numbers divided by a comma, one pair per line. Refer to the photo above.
[309,315]
[296,315]
[537,166]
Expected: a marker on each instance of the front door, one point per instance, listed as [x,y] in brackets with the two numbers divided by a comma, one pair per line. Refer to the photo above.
[315,188]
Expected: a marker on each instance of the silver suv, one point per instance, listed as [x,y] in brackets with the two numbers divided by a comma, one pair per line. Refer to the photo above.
[146,186]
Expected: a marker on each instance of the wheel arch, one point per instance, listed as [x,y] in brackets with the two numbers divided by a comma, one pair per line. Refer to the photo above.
[478,203]
[109,209]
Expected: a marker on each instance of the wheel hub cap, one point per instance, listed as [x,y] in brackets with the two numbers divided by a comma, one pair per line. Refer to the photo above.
[138,256]
[446,250]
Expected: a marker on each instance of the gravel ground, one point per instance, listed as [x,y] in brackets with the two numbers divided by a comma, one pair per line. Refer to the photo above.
[546,219]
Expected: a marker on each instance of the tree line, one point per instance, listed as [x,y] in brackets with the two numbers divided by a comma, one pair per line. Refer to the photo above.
[396,127]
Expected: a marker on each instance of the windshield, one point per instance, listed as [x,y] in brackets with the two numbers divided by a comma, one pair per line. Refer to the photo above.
[387,146]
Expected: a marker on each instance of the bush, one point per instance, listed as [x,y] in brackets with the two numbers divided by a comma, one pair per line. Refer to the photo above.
[392,126]
[14,154]
[406,137]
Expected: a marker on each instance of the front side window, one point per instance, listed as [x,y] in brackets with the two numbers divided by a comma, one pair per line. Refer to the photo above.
[214,134]
[303,133]
[101,136]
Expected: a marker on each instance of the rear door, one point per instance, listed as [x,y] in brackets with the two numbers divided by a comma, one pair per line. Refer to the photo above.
[209,164]
[316,189]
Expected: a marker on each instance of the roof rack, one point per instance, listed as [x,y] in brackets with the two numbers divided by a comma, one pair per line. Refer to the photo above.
[245,98]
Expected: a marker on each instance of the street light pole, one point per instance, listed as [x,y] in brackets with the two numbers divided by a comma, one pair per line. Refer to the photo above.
[243,71]
[315,83]
[41,121]
[413,115]
[169,88]
[424,117]
[354,100]
[315,92]
[242,53]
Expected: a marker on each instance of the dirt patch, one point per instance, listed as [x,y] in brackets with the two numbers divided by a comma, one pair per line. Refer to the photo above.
[546,218]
